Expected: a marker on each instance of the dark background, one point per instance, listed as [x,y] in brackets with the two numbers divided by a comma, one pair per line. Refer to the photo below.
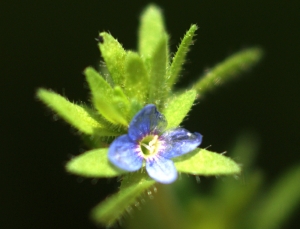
[49,43]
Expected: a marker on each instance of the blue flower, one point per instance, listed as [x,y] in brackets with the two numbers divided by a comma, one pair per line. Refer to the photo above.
[147,140]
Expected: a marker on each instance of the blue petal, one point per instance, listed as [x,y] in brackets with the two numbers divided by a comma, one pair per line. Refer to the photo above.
[146,121]
[161,169]
[179,141]
[125,154]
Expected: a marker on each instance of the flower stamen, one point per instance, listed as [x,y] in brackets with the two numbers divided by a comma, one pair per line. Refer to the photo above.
[150,146]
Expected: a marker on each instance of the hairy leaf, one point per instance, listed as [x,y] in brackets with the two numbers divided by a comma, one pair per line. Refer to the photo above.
[114,56]
[76,115]
[178,108]
[102,96]
[206,163]
[179,58]
[157,65]
[151,29]
[136,77]
[93,164]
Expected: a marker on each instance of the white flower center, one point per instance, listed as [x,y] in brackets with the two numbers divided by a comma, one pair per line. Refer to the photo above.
[149,145]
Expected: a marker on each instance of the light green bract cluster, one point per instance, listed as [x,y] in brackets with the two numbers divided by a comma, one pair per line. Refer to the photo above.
[128,81]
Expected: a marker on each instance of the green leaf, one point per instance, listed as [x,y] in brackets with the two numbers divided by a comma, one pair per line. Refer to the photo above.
[120,101]
[136,77]
[245,148]
[279,202]
[179,58]
[77,116]
[93,142]
[229,69]
[178,108]
[103,71]
[94,164]
[153,48]
[111,129]
[135,108]
[102,96]
[158,65]
[150,31]
[204,162]
[114,207]
[114,56]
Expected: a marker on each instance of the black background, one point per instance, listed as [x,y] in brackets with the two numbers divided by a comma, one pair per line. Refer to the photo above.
[49,43]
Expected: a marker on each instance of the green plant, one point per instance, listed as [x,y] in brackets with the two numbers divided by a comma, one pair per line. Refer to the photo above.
[123,87]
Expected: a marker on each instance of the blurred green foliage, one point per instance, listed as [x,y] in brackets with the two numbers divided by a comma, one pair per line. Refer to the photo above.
[243,202]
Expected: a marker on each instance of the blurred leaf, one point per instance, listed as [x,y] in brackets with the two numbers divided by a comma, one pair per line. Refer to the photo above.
[136,77]
[245,149]
[162,211]
[178,108]
[151,30]
[74,114]
[228,69]
[114,207]
[279,202]
[235,196]
[102,96]
[114,56]
[221,209]
[179,58]
[93,164]
[204,162]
